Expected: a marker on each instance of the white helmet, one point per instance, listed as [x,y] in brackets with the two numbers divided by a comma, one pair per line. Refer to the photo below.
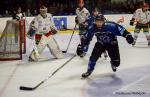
[43,11]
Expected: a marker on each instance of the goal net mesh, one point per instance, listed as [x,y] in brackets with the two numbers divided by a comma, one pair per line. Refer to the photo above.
[12,40]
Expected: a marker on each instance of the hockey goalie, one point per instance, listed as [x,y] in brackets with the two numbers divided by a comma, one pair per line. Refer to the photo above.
[42,28]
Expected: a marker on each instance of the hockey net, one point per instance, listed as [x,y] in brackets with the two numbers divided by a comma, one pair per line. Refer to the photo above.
[12,40]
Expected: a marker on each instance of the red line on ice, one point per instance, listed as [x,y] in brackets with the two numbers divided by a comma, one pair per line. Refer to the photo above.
[9,80]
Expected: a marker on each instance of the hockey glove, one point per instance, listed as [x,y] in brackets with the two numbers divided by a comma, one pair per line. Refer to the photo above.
[80,51]
[132,21]
[129,38]
[54,31]
[76,20]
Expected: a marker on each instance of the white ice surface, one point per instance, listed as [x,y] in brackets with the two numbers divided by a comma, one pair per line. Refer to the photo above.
[67,82]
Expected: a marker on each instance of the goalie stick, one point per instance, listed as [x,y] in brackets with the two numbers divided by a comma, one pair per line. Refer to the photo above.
[33,88]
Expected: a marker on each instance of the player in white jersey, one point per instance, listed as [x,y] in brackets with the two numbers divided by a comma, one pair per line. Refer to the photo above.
[18,15]
[82,16]
[42,26]
[141,18]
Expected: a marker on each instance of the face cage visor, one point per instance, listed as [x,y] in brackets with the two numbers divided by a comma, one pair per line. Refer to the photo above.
[43,12]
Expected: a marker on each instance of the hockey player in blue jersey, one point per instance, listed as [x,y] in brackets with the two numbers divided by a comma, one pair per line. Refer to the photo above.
[105,33]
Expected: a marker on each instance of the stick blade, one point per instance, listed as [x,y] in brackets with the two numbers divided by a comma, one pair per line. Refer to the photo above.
[26,88]
[64,51]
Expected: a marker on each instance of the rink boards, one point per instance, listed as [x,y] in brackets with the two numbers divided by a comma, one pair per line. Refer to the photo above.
[67,22]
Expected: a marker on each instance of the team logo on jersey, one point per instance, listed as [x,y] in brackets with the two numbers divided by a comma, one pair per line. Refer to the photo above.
[119,28]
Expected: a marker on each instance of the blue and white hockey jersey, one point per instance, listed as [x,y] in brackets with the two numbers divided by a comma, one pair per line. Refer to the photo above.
[105,35]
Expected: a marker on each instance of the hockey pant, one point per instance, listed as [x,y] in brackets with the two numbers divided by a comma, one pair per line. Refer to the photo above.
[145,30]
[113,52]
[82,31]
[47,42]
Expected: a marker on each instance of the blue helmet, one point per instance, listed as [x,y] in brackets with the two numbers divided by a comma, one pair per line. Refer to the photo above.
[100,17]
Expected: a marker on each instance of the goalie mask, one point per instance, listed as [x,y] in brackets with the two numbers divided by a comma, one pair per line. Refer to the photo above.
[43,11]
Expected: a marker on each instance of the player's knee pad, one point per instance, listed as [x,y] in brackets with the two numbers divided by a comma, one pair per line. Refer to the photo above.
[115,62]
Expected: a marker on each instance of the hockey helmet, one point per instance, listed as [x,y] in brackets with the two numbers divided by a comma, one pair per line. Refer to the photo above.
[95,9]
[19,10]
[43,10]
[80,1]
[100,17]
[145,5]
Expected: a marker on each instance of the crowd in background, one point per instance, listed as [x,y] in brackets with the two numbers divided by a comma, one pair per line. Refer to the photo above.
[66,7]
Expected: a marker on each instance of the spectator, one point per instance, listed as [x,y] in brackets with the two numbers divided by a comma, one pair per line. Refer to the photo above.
[7,14]
[35,12]
[28,13]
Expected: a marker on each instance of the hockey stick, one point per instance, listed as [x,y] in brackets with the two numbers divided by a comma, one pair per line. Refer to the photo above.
[70,40]
[33,88]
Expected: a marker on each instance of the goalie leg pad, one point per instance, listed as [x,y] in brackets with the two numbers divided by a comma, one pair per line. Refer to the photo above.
[33,56]
[54,48]
[40,47]
[147,36]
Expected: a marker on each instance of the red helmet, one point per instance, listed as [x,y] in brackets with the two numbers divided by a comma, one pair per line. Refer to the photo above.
[80,1]
[146,5]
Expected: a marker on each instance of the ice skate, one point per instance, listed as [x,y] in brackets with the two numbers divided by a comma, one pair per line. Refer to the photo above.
[133,44]
[85,75]
[114,68]
[31,59]
[148,44]
[82,55]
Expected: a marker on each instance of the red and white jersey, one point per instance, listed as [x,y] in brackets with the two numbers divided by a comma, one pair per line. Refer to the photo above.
[82,15]
[141,16]
[43,25]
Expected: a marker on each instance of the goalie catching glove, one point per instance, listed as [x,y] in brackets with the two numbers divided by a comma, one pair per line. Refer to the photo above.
[54,31]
